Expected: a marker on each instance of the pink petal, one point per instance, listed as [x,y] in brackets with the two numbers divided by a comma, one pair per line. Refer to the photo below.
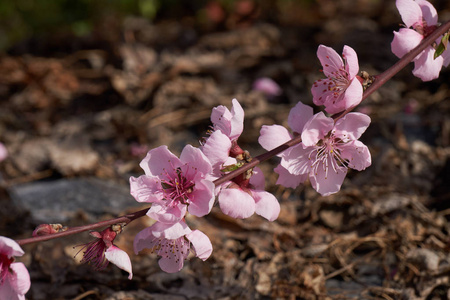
[217,148]
[426,67]
[429,13]
[3,152]
[16,284]
[21,284]
[202,198]
[330,60]
[9,247]
[201,243]
[273,136]
[167,214]
[404,41]
[409,11]
[221,119]
[236,203]
[296,160]
[120,258]
[446,56]
[237,121]
[316,128]
[159,161]
[327,183]
[298,116]
[351,59]
[322,95]
[351,126]
[170,265]
[287,179]
[353,94]
[258,180]
[268,86]
[170,231]
[143,240]
[195,158]
[267,205]
[357,154]
[146,189]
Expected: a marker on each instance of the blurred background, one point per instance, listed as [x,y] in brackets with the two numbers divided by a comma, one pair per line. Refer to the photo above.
[88,87]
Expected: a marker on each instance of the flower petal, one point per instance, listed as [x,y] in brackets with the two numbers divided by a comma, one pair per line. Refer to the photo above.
[351,126]
[201,243]
[446,56]
[9,247]
[327,181]
[351,61]
[287,179]
[170,265]
[202,198]
[120,258]
[237,120]
[267,205]
[236,203]
[15,284]
[160,161]
[3,152]
[429,13]
[330,60]
[167,214]
[316,128]
[298,116]
[195,158]
[404,41]
[221,119]
[273,136]
[217,149]
[426,67]
[146,189]
[357,154]
[258,181]
[409,11]
[353,94]
[296,160]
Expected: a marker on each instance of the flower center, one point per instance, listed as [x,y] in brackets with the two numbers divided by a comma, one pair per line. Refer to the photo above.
[95,254]
[5,262]
[337,81]
[327,154]
[424,29]
[178,187]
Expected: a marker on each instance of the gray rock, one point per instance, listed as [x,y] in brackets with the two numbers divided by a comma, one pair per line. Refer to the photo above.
[58,201]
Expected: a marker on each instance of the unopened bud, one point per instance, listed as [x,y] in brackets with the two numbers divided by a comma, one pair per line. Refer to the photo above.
[45,229]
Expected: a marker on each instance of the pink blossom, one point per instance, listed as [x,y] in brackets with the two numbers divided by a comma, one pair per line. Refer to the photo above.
[14,277]
[101,251]
[173,243]
[420,18]
[266,85]
[276,135]
[222,142]
[341,89]
[3,152]
[231,123]
[328,150]
[242,198]
[244,195]
[175,185]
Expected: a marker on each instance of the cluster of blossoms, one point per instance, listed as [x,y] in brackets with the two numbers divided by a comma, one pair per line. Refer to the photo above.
[191,183]
[421,19]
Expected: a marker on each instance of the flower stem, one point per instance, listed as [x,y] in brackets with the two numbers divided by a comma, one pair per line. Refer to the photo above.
[123,219]
[379,81]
